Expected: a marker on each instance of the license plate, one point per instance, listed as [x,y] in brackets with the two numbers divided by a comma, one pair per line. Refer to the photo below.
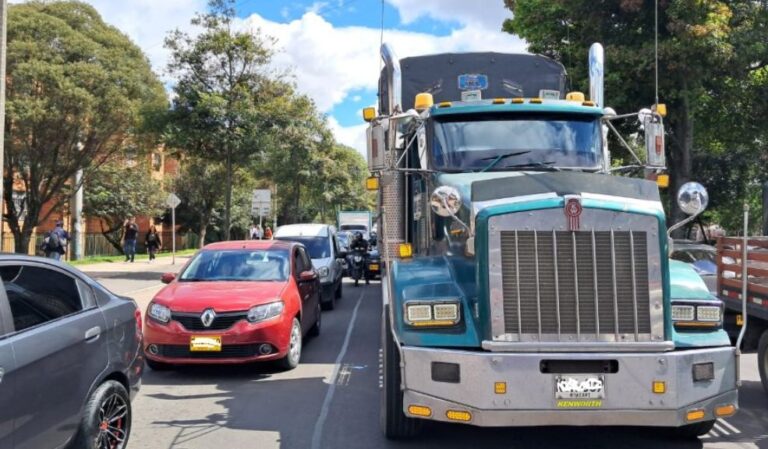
[580,387]
[205,344]
[373,267]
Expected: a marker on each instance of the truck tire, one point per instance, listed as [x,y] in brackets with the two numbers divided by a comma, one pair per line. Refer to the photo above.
[762,359]
[694,430]
[394,423]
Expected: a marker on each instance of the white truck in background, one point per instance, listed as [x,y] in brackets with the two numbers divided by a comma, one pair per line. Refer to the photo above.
[353,221]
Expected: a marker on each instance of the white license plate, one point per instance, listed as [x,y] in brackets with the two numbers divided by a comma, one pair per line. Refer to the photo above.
[575,386]
[205,344]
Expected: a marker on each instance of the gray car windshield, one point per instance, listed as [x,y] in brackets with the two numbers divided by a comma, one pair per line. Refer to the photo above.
[318,247]
[513,142]
[238,265]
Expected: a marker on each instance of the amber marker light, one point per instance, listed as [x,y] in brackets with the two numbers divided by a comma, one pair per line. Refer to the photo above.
[695,415]
[420,410]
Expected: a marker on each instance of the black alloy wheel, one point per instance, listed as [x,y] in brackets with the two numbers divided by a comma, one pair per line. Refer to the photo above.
[106,421]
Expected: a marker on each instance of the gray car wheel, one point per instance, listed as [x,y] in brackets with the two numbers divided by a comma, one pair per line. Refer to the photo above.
[291,360]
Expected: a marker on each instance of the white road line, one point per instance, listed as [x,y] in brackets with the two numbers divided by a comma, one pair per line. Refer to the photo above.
[141,289]
[713,434]
[704,437]
[317,435]
[721,429]
[728,425]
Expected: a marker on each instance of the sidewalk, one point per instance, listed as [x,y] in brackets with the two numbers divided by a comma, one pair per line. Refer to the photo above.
[162,262]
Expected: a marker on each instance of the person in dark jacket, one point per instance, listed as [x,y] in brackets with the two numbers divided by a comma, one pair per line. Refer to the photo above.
[130,233]
[56,243]
[152,242]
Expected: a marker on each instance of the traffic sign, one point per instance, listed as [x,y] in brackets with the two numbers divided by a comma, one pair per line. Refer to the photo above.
[172,201]
[261,202]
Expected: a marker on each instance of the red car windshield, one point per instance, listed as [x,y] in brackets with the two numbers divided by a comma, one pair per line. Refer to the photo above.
[238,265]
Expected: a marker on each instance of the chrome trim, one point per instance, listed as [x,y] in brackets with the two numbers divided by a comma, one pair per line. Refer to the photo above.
[615,287]
[641,204]
[557,279]
[614,346]
[593,220]
[634,281]
[517,276]
[538,282]
[576,283]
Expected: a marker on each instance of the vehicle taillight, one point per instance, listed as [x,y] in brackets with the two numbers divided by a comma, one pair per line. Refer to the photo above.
[139,325]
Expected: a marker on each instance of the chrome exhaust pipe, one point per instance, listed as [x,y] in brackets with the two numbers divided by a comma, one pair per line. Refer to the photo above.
[597,74]
[394,80]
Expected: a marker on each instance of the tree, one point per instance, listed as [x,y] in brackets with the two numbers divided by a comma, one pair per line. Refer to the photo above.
[71,79]
[200,189]
[223,78]
[704,45]
[118,190]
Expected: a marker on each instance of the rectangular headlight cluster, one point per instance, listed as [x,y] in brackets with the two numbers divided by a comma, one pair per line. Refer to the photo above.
[705,315]
[437,314]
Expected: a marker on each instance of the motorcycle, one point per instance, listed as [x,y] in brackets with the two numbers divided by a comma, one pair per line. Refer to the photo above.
[357,266]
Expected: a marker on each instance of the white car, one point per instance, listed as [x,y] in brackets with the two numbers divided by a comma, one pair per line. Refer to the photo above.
[320,240]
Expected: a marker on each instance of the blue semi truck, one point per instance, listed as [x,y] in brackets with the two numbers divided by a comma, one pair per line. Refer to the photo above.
[527,283]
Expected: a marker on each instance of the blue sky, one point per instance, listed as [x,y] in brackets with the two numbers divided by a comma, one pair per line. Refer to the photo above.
[330,46]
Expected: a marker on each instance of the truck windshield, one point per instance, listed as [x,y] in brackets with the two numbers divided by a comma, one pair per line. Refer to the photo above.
[512,142]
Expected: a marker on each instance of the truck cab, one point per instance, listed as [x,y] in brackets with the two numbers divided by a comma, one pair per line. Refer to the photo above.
[526,284]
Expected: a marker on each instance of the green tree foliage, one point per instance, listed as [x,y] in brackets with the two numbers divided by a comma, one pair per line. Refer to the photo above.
[223,79]
[201,190]
[712,59]
[119,190]
[71,78]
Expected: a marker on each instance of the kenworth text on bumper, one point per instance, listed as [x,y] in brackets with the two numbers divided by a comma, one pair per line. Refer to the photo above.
[526,282]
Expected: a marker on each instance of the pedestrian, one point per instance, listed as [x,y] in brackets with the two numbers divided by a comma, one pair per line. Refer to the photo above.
[255,232]
[56,243]
[152,243]
[268,233]
[130,233]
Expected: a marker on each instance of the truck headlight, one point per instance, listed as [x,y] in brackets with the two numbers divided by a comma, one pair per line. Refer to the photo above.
[323,272]
[265,311]
[432,314]
[159,312]
[706,314]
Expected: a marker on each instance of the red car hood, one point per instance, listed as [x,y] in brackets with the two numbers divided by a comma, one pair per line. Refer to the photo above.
[221,296]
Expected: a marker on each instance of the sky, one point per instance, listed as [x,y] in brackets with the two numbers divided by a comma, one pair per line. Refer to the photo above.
[331,46]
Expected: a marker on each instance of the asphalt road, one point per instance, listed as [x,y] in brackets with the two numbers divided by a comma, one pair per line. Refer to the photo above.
[331,400]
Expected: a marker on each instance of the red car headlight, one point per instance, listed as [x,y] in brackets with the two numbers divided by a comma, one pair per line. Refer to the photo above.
[265,311]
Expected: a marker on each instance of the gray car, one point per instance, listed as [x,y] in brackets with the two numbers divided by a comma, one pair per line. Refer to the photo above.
[70,358]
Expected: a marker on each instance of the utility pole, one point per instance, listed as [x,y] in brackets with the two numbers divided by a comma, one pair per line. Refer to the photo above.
[3,48]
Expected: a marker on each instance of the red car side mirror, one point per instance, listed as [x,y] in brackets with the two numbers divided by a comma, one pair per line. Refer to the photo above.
[167,278]
[307,276]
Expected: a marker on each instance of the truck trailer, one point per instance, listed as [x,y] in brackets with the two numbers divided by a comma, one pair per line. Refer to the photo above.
[526,283]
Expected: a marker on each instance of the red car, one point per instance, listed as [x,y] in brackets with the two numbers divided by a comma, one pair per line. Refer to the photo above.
[235,302]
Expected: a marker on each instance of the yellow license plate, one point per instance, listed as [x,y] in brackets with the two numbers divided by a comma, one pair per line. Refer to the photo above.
[373,267]
[205,344]
[739,320]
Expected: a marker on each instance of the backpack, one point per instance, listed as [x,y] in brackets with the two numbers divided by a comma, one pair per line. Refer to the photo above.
[54,241]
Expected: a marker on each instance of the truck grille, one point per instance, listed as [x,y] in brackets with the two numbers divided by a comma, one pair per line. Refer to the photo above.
[552,286]
[558,283]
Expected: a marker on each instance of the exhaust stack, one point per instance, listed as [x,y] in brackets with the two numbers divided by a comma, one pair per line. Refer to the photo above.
[597,74]
[392,226]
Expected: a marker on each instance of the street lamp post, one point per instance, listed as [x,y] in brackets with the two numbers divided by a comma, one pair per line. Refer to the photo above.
[3,48]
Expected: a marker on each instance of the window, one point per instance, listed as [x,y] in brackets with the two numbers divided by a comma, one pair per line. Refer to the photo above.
[318,247]
[20,203]
[238,265]
[38,295]
[157,161]
[306,262]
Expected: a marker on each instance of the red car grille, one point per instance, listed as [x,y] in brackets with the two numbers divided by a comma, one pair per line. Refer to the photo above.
[227,351]
[223,321]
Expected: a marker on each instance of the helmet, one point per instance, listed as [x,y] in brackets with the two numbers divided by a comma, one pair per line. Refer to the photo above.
[358,235]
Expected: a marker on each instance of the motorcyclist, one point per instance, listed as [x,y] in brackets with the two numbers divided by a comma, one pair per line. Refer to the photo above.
[360,245]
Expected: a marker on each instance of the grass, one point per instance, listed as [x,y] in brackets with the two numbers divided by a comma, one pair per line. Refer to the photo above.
[121,258]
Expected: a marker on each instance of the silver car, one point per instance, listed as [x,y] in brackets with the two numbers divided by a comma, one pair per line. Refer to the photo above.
[70,358]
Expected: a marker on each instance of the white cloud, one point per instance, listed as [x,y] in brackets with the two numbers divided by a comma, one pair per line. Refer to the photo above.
[490,15]
[329,62]
[352,136]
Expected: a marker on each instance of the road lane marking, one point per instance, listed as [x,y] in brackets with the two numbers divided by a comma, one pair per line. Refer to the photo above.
[721,429]
[344,374]
[713,434]
[142,289]
[317,435]
[729,426]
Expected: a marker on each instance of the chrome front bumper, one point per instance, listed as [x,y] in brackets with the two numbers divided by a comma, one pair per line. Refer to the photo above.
[530,394]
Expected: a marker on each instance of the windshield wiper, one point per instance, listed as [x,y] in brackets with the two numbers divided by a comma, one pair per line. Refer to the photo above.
[546,165]
[496,159]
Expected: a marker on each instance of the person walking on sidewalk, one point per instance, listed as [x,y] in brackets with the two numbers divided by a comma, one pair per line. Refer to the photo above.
[152,242]
[130,233]
[267,233]
[56,243]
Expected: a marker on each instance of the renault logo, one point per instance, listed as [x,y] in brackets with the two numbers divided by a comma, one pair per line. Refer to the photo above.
[207,317]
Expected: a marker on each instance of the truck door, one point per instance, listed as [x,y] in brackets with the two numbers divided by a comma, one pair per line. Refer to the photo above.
[60,352]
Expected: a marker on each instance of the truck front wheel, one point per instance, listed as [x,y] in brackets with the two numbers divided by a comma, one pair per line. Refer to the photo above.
[762,359]
[695,430]
[394,423]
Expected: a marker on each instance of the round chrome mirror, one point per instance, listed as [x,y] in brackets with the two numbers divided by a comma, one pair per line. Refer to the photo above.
[445,201]
[692,198]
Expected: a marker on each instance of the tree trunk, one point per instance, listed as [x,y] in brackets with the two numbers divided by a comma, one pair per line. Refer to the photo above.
[680,160]
[21,241]
[228,196]
[204,220]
